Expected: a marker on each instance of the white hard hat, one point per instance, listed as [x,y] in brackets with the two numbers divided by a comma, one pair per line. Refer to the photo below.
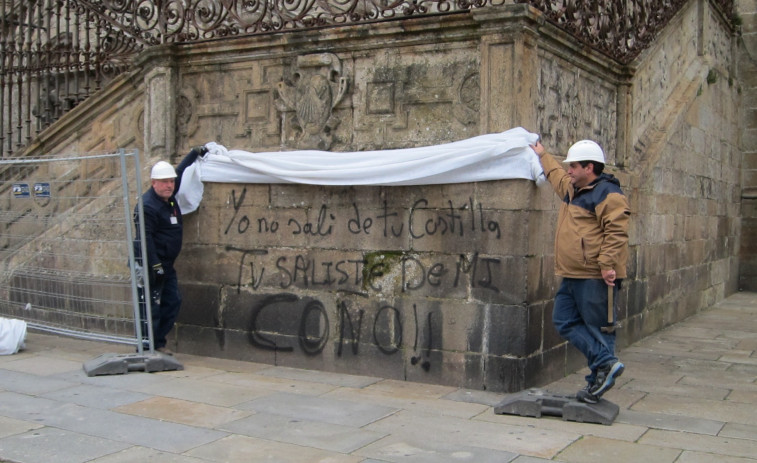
[585,150]
[162,170]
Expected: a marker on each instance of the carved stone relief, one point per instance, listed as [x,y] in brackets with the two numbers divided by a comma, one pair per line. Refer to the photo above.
[186,116]
[415,98]
[468,99]
[574,105]
[315,88]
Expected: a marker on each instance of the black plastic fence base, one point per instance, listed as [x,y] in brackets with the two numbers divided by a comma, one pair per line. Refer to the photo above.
[118,364]
[536,403]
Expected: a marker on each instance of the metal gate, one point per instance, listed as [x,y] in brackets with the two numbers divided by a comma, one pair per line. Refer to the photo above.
[67,261]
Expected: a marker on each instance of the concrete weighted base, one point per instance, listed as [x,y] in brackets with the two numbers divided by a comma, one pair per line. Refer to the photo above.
[118,364]
[535,403]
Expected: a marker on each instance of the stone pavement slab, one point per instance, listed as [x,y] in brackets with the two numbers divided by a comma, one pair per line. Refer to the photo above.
[322,409]
[50,444]
[147,455]
[688,395]
[105,423]
[196,414]
[401,450]
[435,430]
[237,448]
[26,383]
[95,396]
[306,433]
[709,444]
[595,450]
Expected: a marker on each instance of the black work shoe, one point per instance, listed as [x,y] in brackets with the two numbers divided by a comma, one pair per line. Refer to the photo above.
[164,350]
[606,376]
[585,396]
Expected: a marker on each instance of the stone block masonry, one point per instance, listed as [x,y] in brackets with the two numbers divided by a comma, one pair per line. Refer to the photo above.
[447,284]
[407,283]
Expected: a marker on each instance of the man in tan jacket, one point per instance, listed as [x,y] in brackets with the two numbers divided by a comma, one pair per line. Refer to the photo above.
[591,251]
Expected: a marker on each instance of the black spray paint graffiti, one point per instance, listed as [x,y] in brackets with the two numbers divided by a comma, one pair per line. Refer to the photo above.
[284,322]
[280,317]
[422,221]
[307,272]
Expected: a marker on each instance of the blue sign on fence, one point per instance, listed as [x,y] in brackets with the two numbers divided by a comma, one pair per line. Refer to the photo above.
[42,190]
[21,190]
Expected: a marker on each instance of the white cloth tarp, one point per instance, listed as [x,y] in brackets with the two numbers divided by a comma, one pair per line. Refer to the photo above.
[12,335]
[496,156]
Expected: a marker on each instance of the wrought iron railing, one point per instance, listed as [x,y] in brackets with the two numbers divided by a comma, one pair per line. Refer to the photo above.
[55,53]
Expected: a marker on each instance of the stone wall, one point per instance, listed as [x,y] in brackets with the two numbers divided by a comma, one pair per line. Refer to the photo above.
[449,284]
[747,63]
[684,167]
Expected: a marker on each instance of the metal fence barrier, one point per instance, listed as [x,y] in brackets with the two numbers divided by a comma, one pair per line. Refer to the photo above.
[67,261]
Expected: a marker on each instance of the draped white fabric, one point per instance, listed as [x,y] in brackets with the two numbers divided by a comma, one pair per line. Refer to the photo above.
[496,156]
[12,335]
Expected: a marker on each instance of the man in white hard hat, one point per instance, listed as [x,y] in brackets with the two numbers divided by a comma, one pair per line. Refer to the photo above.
[591,251]
[163,239]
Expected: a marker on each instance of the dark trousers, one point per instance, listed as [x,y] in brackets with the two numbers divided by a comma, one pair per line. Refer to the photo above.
[579,313]
[164,314]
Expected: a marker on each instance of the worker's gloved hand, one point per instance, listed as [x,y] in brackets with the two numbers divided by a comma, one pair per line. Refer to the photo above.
[200,150]
[156,276]
[155,297]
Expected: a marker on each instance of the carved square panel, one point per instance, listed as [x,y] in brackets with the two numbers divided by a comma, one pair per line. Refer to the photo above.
[257,105]
[380,96]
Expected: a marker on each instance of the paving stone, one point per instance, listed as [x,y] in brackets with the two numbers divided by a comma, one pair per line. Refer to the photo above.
[334,379]
[48,444]
[183,411]
[320,435]
[130,381]
[739,357]
[143,454]
[10,426]
[670,422]
[489,399]
[520,439]
[134,430]
[702,457]
[719,410]
[223,365]
[43,366]
[747,397]
[596,450]
[242,448]
[710,444]
[396,449]
[740,431]
[621,431]
[204,390]
[323,409]
[95,396]
[26,383]
[527,459]
[731,380]
[262,384]
[660,386]
[413,401]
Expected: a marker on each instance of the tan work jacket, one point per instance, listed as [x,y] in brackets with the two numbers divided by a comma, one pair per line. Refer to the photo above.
[592,227]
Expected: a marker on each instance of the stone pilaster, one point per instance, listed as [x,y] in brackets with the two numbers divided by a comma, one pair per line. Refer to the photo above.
[160,106]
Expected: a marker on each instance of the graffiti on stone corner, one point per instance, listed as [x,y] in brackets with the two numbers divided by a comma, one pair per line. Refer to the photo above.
[257,266]
[305,299]
[421,220]
[307,326]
